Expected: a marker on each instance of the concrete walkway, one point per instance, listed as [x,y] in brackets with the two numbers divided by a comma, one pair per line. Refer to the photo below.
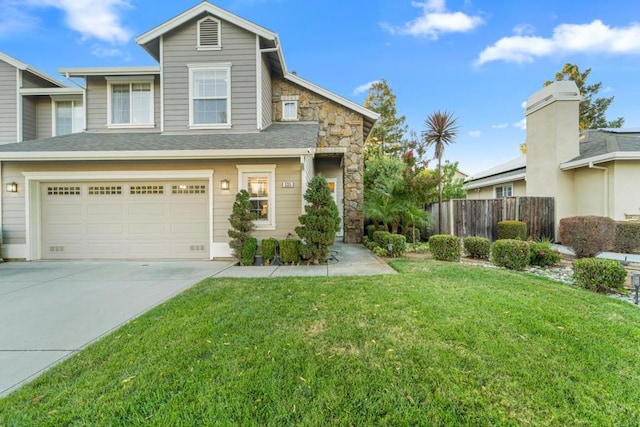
[346,260]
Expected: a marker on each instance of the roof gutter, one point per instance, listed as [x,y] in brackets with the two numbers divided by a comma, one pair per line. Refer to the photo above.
[608,157]
[156,154]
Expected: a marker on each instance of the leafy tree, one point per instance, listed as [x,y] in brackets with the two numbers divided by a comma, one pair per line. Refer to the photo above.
[441,130]
[387,135]
[452,187]
[241,221]
[592,109]
[319,223]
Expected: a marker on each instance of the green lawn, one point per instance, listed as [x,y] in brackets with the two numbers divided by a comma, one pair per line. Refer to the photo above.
[438,344]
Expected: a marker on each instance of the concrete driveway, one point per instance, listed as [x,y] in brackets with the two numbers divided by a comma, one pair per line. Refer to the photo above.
[51,310]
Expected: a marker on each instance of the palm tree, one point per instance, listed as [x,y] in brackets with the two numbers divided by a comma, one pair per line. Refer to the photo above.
[441,129]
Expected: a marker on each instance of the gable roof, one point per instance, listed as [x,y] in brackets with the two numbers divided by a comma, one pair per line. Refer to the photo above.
[278,140]
[25,67]
[148,39]
[604,145]
[270,46]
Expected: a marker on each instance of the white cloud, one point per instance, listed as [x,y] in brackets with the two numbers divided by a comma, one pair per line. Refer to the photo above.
[14,19]
[106,52]
[524,29]
[500,126]
[97,19]
[595,37]
[475,133]
[435,20]
[522,124]
[364,88]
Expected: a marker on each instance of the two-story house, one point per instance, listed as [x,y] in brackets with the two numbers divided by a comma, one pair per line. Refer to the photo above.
[145,162]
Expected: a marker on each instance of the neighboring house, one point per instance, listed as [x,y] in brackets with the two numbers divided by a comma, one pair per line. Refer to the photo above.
[503,180]
[164,149]
[595,172]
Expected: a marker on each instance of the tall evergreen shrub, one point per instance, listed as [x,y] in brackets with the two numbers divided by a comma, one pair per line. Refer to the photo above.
[320,223]
[241,221]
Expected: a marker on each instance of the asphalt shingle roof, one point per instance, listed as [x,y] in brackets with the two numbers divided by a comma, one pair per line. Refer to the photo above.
[597,142]
[276,136]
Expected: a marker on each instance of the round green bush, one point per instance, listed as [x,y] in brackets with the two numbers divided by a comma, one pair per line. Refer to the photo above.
[510,253]
[541,255]
[512,230]
[249,250]
[599,274]
[445,247]
[269,250]
[290,251]
[477,247]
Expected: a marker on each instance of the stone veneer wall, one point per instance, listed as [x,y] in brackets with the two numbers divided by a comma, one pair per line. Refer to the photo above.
[339,127]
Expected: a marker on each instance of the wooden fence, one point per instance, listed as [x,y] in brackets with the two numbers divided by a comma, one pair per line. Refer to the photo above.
[480,218]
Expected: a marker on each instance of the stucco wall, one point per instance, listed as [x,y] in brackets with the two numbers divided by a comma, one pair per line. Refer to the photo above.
[625,193]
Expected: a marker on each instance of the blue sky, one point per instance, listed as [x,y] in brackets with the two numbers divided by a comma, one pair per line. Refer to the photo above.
[479,59]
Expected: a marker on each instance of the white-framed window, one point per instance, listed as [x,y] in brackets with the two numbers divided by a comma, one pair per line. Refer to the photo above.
[259,181]
[68,116]
[504,190]
[289,110]
[209,34]
[210,96]
[130,102]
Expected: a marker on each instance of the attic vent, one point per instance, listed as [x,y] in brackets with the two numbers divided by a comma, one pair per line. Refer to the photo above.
[208,33]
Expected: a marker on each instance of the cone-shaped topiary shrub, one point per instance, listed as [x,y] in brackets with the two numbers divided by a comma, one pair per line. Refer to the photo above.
[320,223]
[241,221]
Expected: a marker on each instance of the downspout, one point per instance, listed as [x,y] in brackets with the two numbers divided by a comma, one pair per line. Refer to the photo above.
[606,186]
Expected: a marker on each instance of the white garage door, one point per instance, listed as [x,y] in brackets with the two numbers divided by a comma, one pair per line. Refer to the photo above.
[125,220]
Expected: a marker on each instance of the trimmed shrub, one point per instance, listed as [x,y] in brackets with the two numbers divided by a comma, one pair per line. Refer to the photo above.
[269,250]
[249,250]
[380,238]
[541,255]
[411,233]
[241,220]
[445,247]
[599,275]
[512,230]
[477,247]
[290,251]
[627,239]
[587,235]
[398,244]
[510,253]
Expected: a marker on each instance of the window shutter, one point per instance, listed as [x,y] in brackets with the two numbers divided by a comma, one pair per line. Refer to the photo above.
[209,33]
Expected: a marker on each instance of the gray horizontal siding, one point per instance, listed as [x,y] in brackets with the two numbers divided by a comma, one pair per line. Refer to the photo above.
[29,130]
[238,48]
[44,123]
[8,103]
[267,94]
[97,105]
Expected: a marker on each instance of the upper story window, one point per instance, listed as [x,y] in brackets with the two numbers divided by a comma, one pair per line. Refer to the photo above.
[130,102]
[289,110]
[68,117]
[208,34]
[210,96]
[289,107]
[502,191]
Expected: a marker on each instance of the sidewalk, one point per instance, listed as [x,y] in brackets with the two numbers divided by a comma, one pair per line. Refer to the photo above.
[347,260]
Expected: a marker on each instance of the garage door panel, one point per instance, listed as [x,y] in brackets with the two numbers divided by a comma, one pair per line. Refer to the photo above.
[106,208]
[124,220]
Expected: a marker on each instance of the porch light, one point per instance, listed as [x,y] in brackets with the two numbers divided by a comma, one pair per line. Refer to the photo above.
[11,187]
[635,281]
[224,184]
